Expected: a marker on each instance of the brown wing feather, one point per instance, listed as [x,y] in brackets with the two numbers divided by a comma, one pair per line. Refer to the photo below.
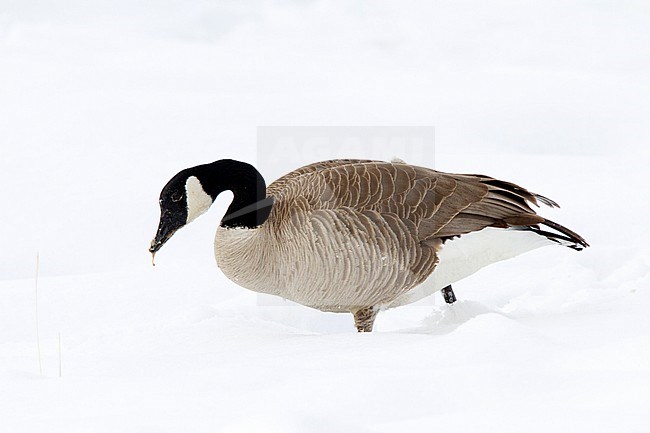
[438,204]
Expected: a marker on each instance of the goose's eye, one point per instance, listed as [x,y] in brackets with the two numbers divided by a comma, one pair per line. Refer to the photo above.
[168,213]
[177,196]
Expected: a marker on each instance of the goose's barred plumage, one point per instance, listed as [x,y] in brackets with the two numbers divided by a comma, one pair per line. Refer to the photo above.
[350,235]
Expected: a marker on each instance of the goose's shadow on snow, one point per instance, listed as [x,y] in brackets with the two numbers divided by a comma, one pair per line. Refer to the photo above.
[447,318]
[440,320]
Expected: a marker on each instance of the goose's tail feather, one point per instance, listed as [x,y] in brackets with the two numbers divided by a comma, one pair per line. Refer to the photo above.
[561,235]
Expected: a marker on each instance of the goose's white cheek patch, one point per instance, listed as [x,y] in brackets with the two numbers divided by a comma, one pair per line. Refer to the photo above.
[198,201]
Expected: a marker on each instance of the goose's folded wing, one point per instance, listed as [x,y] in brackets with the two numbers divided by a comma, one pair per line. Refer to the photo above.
[438,205]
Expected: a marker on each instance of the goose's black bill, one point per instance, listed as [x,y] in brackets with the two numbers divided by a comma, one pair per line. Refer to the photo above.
[166,229]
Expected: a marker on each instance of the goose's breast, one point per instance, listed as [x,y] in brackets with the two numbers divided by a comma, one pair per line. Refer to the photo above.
[326,260]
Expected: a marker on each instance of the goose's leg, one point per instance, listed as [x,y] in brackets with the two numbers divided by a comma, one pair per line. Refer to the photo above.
[365,318]
[448,294]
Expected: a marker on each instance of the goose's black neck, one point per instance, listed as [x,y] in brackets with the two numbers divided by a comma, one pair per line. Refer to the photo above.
[250,207]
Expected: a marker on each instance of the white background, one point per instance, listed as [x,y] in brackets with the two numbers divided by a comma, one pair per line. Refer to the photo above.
[101,102]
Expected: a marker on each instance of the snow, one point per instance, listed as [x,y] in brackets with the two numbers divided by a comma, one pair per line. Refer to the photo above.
[101,103]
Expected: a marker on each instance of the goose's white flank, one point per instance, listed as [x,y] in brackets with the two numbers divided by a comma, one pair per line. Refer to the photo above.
[358,235]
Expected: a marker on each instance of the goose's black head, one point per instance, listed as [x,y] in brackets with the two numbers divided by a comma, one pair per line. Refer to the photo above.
[191,192]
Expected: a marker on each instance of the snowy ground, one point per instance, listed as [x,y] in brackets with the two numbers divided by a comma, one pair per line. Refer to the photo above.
[100,105]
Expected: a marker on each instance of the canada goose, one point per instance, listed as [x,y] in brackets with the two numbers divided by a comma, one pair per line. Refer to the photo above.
[358,235]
